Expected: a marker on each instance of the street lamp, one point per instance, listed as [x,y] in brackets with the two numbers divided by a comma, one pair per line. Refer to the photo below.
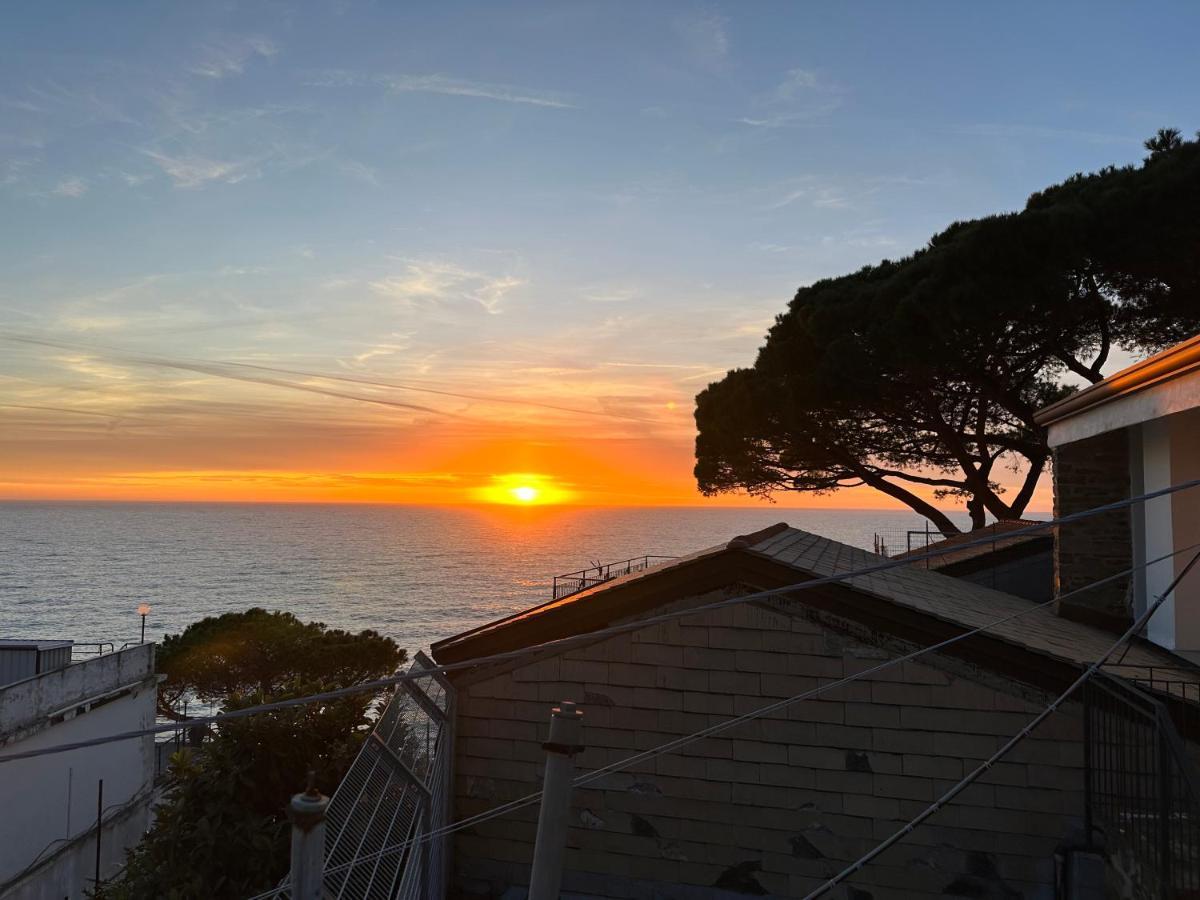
[143,611]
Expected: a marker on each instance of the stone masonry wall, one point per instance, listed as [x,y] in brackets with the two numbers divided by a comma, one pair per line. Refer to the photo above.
[781,802]
[1087,474]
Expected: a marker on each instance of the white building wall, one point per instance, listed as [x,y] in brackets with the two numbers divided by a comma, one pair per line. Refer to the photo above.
[1170,455]
[1185,526]
[1156,475]
[50,801]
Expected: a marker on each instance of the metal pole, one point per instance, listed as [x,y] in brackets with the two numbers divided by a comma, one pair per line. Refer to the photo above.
[307,813]
[99,824]
[143,628]
[564,743]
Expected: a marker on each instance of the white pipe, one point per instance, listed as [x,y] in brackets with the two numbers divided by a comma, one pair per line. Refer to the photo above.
[553,819]
[308,844]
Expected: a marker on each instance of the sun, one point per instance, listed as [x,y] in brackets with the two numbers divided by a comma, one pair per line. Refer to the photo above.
[524,489]
[525,494]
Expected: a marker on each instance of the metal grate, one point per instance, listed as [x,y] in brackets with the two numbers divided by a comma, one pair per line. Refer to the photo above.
[396,790]
[1142,792]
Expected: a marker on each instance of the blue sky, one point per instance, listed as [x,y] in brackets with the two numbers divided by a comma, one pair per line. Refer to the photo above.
[599,206]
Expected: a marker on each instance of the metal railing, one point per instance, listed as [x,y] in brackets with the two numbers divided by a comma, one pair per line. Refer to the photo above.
[574,582]
[396,791]
[1175,686]
[895,542]
[80,652]
[1141,790]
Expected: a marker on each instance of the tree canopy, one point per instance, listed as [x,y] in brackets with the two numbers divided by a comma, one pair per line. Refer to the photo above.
[221,831]
[923,375]
[266,652]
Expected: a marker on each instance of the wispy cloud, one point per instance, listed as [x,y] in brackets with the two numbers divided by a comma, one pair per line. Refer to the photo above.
[439,84]
[799,97]
[435,283]
[228,57]
[70,187]
[194,171]
[705,38]
[454,87]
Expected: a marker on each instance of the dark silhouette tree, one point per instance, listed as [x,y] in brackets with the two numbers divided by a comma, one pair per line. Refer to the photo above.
[923,375]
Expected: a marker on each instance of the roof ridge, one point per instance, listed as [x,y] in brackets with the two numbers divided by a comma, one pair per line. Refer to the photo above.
[757,537]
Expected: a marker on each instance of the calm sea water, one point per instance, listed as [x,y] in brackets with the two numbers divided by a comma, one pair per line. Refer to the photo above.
[418,574]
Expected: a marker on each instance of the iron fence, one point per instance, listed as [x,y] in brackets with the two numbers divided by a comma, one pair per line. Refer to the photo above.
[395,793]
[1141,790]
[80,652]
[894,542]
[574,582]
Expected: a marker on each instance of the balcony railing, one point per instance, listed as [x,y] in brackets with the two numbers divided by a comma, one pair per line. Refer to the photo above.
[574,582]
[1141,789]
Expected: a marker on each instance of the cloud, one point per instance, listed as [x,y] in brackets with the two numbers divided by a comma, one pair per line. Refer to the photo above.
[436,283]
[229,57]
[359,171]
[194,171]
[442,84]
[439,84]
[799,97]
[70,187]
[705,38]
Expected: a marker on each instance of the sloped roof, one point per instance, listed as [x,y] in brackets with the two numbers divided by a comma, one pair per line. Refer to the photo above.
[949,552]
[782,555]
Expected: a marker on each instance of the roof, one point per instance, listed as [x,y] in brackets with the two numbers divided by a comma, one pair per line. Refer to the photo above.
[949,554]
[1176,361]
[19,644]
[914,603]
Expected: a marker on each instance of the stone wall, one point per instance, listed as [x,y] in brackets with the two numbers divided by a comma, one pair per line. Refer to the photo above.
[781,802]
[1087,474]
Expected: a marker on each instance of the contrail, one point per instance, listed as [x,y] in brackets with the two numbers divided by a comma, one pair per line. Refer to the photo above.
[222,370]
[219,370]
[64,409]
[483,398]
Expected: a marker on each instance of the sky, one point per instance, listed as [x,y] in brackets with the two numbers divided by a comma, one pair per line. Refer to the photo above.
[431,252]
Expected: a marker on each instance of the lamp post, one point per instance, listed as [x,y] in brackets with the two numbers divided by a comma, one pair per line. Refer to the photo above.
[143,611]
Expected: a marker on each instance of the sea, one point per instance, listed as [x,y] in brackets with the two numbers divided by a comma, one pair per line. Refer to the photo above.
[79,571]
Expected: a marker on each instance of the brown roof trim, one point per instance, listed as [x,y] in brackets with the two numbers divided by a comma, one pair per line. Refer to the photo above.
[757,537]
[590,610]
[1170,363]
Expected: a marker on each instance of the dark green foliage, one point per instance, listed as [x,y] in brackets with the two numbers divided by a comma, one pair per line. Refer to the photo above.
[927,372]
[222,831]
[256,650]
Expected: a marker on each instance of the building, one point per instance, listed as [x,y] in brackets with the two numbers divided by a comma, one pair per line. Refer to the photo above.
[1135,432]
[1020,563]
[46,700]
[783,801]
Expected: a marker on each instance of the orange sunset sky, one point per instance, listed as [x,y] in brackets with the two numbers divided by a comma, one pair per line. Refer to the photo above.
[406,255]
[98,423]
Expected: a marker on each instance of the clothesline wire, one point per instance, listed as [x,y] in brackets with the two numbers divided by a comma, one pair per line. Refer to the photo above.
[686,740]
[1021,735]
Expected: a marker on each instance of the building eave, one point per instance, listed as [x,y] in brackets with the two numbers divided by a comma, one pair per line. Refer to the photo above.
[1171,363]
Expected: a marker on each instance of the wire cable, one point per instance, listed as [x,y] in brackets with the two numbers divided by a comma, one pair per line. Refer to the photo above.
[962,785]
[686,740]
[590,636]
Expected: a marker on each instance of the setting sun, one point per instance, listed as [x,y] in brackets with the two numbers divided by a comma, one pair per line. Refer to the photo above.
[524,489]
